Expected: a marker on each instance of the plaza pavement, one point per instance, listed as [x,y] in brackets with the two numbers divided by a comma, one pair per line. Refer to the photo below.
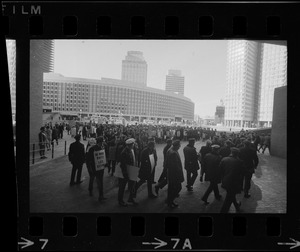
[50,191]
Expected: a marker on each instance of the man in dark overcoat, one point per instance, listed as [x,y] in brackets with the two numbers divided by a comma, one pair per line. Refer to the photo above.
[163,181]
[98,174]
[225,150]
[203,151]
[250,159]
[147,169]
[127,157]
[174,173]
[232,169]
[191,164]
[77,158]
[211,164]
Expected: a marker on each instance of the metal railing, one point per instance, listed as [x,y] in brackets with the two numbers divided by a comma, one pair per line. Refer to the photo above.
[35,150]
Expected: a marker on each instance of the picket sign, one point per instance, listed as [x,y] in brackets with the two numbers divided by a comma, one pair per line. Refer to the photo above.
[100,159]
[132,171]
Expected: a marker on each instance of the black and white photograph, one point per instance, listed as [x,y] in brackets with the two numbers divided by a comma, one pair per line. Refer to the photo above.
[156,126]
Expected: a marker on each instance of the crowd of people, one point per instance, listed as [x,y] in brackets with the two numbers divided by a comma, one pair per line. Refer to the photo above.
[228,159]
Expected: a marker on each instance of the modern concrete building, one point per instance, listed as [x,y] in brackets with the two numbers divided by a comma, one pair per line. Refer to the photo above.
[279,121]
[273,75]
[134,68]
[41,61]
[219,114]
[11,60]
[254,69]
[175,82]
[112,97]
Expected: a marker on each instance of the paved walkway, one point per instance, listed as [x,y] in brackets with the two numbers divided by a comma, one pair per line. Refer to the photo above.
[50,190]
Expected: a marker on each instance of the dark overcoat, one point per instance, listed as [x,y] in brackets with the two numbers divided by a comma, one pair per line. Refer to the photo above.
[249,157]
[190,158]
[211,166]
[76,153]
[145,170]
[232,170]
[174,167]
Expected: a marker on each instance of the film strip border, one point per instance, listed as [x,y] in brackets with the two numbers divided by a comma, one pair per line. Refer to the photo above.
[159,231]
[25,21]
[146,20]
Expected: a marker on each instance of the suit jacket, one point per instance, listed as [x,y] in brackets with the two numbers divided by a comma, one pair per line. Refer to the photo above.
[174,167]
[232,170]
[211,164]
[126,158]
[76,153]
[190,158]
[145,171]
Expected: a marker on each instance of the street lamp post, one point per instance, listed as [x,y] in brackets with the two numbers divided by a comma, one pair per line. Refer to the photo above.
[80,115]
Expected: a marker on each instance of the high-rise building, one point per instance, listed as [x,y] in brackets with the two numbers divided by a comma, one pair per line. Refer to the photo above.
[41,61]
[219,114]
[273,75]
[251,78]
[11,60]
[134,68]
[175,82]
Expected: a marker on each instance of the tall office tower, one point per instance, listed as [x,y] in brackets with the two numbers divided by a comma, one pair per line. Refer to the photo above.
[11,60]
[41,61]
[273,75]
[134,68]
[243,65]
[175,82]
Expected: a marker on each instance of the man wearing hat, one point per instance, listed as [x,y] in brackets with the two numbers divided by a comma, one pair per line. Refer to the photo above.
[174,173]
[127,158]
[250,159]
[77,158]
[163,181]
[98,173]
[232,169]
[191,164]
[211,164]
[148,163]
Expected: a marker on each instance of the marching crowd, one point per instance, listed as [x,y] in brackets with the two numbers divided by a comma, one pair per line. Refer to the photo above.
[226,159]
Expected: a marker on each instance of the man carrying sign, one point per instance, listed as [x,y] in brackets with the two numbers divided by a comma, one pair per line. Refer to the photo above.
[96,159]
[127,160]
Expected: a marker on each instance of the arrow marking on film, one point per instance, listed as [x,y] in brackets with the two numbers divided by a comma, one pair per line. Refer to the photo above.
[294,244]
[159,244]
[25,244]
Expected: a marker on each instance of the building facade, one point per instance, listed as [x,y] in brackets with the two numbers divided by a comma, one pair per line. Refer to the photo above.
[251,79]
[11,60]
[111,97]
[273,75]
[175,82]
[41,61]
[134,68]
[219,114]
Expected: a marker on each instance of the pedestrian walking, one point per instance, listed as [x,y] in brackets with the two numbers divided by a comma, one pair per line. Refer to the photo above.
[163,181]
[232,170]
[91,142]
[112,152]
[174,173]
[211,164]
[267,143]
[250,159]
[77,158]
[96,159]
[203,151]
[55,135]
[148,163]
[42,142]
[261,143]
[191,164]
[48,134]
[127,158]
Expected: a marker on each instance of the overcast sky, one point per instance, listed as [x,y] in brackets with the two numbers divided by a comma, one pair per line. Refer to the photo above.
[202,63]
